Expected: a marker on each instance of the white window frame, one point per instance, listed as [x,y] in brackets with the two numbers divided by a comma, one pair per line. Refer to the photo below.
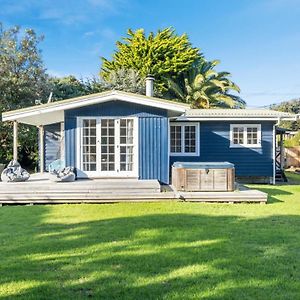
[103,174]
[182,125]
[245,144]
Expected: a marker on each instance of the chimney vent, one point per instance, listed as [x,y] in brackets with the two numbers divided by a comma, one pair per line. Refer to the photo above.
[149,85]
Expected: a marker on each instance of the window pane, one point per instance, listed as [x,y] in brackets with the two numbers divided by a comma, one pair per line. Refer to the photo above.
[238,135]
[175,142]
[126,158]
[252,135]
[89,156]
[189,139]
[107,144]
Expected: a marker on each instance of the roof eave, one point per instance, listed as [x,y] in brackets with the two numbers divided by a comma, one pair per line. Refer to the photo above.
[231,118]
[90,100]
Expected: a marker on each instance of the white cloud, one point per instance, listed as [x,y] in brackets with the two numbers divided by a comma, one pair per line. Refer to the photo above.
[68,12]
[89,33]
[106,33]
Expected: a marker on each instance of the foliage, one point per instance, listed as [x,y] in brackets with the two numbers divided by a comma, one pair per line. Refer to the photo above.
[71,87]
[292,106]
[162,54]
[66,87]
[22,80]
[203,87]
[171,250]
[127,80]
[122,80]
[294,141]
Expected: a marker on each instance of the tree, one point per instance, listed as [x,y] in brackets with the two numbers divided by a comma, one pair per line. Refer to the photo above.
[162,54]
[22,80]
[291,106]
[203,87]
[127,80]
[66,87]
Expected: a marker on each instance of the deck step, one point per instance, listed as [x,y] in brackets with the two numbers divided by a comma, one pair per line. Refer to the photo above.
[79,198]
[82,186]
[81,191]
[238,196]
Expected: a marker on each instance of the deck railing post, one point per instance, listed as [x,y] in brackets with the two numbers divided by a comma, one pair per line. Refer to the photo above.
[15,141]
[42,150]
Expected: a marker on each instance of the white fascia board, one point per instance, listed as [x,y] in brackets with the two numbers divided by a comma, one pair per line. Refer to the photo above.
[235,119]
[154,103]
[95,100]
[39,111]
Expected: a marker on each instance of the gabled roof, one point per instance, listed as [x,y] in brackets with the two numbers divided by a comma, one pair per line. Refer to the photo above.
[232,114]
[54,111]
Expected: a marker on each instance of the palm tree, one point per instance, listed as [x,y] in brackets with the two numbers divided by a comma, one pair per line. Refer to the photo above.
[204,87]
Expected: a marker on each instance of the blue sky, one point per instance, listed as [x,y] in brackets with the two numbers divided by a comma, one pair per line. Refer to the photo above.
[258,41]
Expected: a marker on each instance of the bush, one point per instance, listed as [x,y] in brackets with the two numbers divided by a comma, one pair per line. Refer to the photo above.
[293,142]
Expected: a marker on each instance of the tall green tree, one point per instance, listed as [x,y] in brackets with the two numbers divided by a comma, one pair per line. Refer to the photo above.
[161,54]
[203,87]
[22,80]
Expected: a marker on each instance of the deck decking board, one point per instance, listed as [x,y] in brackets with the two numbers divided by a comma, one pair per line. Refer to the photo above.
[39,190]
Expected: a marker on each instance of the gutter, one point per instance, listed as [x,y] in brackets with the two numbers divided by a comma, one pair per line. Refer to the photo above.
[184,118]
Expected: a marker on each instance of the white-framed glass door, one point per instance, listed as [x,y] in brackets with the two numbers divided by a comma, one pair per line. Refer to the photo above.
[108,147]
[89,146]
[126,147]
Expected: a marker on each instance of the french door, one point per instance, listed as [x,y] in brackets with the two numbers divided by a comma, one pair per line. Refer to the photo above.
[108,147]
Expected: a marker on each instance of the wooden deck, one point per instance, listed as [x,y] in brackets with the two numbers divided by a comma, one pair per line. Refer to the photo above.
[39,190]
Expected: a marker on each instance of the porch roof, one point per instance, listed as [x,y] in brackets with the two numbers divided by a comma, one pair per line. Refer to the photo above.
[54,112]
[236,114]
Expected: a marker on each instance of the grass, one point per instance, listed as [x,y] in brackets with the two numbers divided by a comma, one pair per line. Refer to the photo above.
[153,250]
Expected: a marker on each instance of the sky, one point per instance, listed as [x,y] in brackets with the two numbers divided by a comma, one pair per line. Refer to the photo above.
[257,41]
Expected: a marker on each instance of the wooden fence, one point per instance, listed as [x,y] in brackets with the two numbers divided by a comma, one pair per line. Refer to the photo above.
[292,157]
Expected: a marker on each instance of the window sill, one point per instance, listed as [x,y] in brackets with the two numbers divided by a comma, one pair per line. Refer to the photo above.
[245,146]
[184,154]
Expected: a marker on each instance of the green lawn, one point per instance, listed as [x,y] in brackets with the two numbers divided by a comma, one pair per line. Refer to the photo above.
[153,250]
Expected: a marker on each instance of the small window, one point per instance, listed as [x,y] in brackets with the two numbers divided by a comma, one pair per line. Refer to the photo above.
[245,135]
[183,139]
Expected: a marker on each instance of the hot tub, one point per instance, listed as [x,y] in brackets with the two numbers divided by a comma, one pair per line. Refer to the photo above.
[203,176]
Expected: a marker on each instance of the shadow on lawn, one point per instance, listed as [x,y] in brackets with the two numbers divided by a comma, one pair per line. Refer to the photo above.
[160,256]
[273,193]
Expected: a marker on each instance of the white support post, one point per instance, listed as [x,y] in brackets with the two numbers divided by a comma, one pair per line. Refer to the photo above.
[15,141]
[42,152]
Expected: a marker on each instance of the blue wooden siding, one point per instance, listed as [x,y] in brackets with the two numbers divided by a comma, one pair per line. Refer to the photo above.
[153,135]
[215,146]
[153,148]
[52,143]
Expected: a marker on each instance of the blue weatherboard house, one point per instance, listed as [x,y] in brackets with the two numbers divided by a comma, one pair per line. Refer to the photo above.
[123,135]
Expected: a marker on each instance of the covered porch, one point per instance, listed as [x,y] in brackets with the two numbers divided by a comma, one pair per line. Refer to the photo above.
[104,135]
